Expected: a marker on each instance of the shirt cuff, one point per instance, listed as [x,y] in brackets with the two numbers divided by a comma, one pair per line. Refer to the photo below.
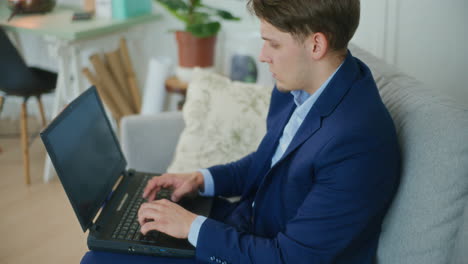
[208,183]
[195,229]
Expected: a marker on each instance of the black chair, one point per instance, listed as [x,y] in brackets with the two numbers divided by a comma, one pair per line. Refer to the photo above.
[17,79]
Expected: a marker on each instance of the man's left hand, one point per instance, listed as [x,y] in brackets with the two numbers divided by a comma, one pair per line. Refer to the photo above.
[165,216]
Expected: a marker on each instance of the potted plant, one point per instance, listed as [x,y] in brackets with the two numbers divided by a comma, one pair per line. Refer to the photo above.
[196,43]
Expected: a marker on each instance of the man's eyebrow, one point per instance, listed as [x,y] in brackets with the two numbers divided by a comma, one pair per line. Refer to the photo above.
[267,39]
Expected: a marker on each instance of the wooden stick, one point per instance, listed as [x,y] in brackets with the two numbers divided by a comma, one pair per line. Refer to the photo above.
[108,100]
[118,73]
[2,101]
[109,85]
[41,110]
[131,78]
[177,85]
[24,141]
[135,92]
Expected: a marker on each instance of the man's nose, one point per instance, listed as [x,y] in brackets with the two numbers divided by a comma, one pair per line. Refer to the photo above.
[263,57]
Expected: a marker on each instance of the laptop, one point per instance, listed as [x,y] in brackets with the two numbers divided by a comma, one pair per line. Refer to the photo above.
[92,169]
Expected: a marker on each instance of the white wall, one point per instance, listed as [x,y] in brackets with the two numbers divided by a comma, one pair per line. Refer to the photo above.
[425,38]
[433,45]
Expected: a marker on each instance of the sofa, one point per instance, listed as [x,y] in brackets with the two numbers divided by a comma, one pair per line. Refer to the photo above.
[428,220]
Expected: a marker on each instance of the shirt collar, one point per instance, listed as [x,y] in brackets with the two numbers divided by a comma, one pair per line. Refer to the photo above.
[304,101]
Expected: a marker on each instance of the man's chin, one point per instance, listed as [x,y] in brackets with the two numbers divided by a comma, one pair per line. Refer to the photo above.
[281,88]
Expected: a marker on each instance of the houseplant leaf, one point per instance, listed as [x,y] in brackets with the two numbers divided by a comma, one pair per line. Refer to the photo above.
[174,4]
[199,18]
[196,3]
[226,15]
[201,22]
[178,8]
[222,13]
[204,30]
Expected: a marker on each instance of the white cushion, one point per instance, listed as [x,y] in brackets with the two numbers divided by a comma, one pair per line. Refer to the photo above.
[224,121]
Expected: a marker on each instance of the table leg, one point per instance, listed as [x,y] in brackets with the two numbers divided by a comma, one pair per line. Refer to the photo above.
[78,84]
[59,52]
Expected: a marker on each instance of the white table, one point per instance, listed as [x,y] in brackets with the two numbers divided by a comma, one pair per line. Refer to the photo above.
[66,40]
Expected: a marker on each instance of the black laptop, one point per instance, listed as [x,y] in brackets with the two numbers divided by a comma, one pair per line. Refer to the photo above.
[92,169]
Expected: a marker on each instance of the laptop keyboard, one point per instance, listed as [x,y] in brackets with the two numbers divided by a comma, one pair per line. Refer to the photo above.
[128,227]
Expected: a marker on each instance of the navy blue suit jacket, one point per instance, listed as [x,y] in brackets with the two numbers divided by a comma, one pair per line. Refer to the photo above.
[324,200]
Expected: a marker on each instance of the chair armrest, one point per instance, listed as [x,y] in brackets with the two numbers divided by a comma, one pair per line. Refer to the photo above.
[149,142]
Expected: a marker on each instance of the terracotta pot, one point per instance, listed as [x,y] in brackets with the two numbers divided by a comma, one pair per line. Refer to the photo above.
[31,6]
[195,52]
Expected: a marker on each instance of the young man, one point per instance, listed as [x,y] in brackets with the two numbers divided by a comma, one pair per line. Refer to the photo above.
[318,186]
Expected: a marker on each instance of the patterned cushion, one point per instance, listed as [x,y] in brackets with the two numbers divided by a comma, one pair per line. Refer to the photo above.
[224,121]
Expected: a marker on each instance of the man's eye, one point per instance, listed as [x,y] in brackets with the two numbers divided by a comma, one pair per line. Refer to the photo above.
[274,45]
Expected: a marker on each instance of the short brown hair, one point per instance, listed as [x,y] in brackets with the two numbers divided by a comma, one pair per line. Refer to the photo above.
[336,19]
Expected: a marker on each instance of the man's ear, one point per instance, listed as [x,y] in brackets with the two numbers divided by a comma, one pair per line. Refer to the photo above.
[319,45]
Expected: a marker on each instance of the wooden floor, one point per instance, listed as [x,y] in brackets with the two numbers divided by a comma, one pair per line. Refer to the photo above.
[37,223]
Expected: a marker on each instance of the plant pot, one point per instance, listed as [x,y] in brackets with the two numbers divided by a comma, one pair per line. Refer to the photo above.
[31,6]
[194,51]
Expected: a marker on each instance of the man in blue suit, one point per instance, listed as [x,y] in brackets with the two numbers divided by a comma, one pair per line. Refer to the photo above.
[318,186]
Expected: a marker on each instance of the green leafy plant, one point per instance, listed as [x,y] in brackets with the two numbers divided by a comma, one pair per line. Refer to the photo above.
[199,19]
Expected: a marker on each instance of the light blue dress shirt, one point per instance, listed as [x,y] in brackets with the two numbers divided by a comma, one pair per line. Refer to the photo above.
[304,102]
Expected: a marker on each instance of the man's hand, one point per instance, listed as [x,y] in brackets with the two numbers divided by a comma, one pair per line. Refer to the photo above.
[167,217]
[182,184]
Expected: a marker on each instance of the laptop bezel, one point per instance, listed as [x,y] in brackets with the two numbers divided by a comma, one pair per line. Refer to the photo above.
[116,173]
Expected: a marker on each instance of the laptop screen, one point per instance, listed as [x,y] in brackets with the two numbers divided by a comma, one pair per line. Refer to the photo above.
[85,154]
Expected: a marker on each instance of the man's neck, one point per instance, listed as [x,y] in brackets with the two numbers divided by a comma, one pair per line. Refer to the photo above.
[326,67]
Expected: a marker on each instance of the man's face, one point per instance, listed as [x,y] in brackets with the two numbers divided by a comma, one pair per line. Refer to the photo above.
[289,60]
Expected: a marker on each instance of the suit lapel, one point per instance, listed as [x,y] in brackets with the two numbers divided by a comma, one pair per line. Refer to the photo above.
[268,146]
[325,104]
[277,131]
[272,138]
[309,126]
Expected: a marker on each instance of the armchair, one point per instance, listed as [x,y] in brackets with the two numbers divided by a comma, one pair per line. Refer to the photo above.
[149,142]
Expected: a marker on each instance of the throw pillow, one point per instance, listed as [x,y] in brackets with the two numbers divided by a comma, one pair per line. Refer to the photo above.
[224,121]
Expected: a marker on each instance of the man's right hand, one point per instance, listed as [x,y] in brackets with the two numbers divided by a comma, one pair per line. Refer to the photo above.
[183,184]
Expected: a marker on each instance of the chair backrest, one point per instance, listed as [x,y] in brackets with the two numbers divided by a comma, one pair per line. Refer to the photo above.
[425,221]
[14,73]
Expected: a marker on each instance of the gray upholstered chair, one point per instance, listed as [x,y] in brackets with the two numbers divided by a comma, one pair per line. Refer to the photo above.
[428,220]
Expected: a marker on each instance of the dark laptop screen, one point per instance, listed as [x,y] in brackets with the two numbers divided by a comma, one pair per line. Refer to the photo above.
[85,154]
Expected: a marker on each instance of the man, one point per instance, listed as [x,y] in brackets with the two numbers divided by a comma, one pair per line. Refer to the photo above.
[318,186]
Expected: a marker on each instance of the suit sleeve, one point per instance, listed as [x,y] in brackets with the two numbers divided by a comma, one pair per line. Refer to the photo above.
[230,179]
[344,207]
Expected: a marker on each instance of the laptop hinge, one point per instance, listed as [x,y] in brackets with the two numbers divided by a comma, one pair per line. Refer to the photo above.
[130,172]
[95,228]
